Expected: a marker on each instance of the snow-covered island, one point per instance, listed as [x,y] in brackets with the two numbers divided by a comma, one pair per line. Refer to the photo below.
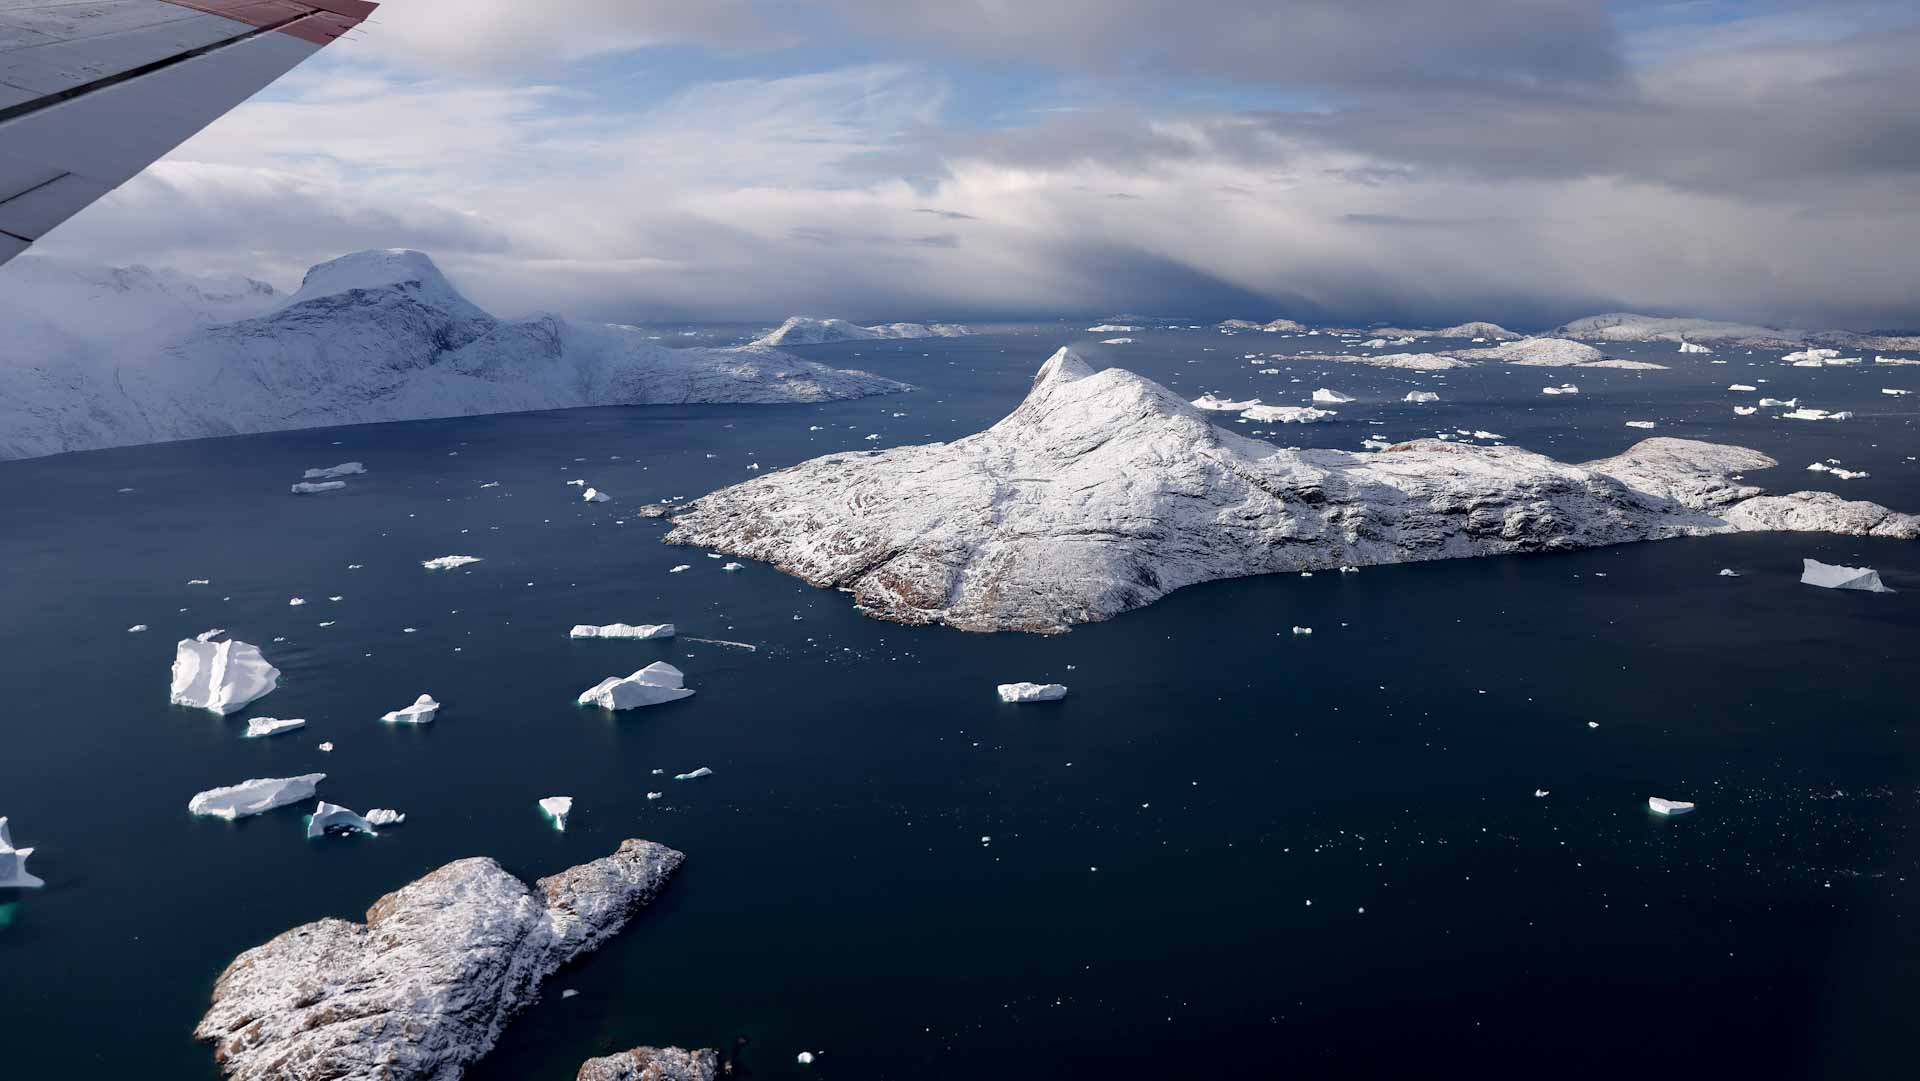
[807,330]
[1702,333]
[1522,352]
[372,336]
[1105,491]
[428,983]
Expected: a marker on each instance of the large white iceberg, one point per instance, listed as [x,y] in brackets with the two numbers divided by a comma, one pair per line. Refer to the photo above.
[623,630]
[1331,397]
[256,796]
[1032,692]
[1827,576]
[1286,414]
[333,818]
[13,863]
[422,711]
[260,727]
[656,683]
[1216,404]
[1421,396]
[557,808]
[344,469]
[220,676]
[594,495]
[385,816]
[1668,806]
[1689,347]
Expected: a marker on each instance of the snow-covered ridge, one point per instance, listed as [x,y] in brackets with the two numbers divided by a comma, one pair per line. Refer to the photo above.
[1105,491]
[807,330]
[372,336]
[426,985]
[1631,327]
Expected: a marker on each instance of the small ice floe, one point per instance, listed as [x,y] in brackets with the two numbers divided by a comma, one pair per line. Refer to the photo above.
[1564,388]
[1641,424]
[1742,387]
[262,727]
[13,863]
[1539,793]
[1376,444]
[1835,470]
[623,630]
[385,816]
[1779,403]
[1689,347]
[731,567]
[569,993]
[1827,576]
[221,676]
[655,795]
[1745,410]
[1421,396]
[295,602]
[344,469]
[1331,397]
[874,437]
[137,628]
[309,487]
[1729,572]
[557,808]
[1816,414]
[1032,692]
[256,796]
[1668,806]
[422,711]
[1895,393]
[198,582]
[1286,414]
[681,567]
[804,1058]
[695,775]
[1117,341]
[333,818]
[656,683]
[1216,404]
[594,495]
[1303,630]
[576,483]
[327,747]
[1480,434]
[443,563]
[491,484]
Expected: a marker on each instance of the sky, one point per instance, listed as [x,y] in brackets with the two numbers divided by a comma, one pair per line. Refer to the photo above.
[1407,161]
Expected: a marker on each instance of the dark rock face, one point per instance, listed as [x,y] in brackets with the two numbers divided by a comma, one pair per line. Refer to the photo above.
[652,1064]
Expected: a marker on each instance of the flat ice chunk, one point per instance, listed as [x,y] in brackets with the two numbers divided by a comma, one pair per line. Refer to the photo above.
[1331,397]
[1223,405]
[137,628]
[255,796]
[1777,403]
[656,683]
[260,727]
[333,818]
[1668,806]
[13,863]
[1641,424]
[220,676]
[1286,414]
[1826,575]
[623,630]
[1729,572]
[422,711]
[1117,341]
[1564,388]
[385,816]
[1421,396]
[557,808]
[1303,630]
[1745,410]
[1816,414]
[695,775]
[1741,387]
[441,563]
[344,469]
[312,487]
[594,495]
[731,567]
[1895,393]
[1032,692]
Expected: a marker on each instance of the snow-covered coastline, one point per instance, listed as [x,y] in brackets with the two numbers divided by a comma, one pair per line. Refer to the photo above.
[809,330]
[1105,491]
[372,336]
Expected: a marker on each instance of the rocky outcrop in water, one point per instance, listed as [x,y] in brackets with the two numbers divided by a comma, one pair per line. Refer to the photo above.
[1106,491]
[652,1064]
[425,986]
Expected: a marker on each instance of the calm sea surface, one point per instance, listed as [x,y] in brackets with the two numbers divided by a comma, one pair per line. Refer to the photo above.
[1230,852]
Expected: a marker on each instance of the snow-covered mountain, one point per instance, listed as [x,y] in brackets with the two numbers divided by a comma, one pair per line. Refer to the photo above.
[1106,491]
[111,358]
[1275,325]
[807,330]
[1630,327]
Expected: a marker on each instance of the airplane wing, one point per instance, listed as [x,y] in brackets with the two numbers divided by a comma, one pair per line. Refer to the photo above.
[93,91]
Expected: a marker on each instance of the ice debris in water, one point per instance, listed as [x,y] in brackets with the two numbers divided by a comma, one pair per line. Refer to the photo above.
[1564,388]
[328,746]
[623,630]
[137,628]
[557,808]
[1539,793]
[441,563]
[1668,806]
[681,567]
[1032,692]
[13,863]
[308,487]
[1303,630]
[1641,424]
[731,567]
[295,602]
[333,818]
[594,495]
[1815,573]
[1331,397]
[1729,572]
[261,727]
[221,676]
[344,469]
[650,686]
[385,816]
[695,775]
[1421,396]
[422,711]
[255,796]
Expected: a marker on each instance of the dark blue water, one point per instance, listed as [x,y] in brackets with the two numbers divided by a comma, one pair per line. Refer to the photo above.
[1230,851]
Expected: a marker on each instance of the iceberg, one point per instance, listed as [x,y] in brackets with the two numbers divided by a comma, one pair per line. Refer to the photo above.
[333,818]
[1729,572]
[1810,355]
[1895,393]
[1742,387]
[332,472]
[1776,403]
[1564,388]
[1286,414]
[13,863]
[1689,347]
[809,330]
[695,775]
[1421,396]
[385,816]
[1111,328]
[1331,397]
[1827,576]
[137,628]
[261,727]
[1641,424]
[656,683]
[731,567]
[1303,630]
[221,676]
[1032,692]
[1668,806]
[557,808]
[1745,410]
[1816,414]
[316,487]
[422,711]
[623,630]
[256,796]
[442,563]
[1223,405]
[1117,341]
[594,495]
